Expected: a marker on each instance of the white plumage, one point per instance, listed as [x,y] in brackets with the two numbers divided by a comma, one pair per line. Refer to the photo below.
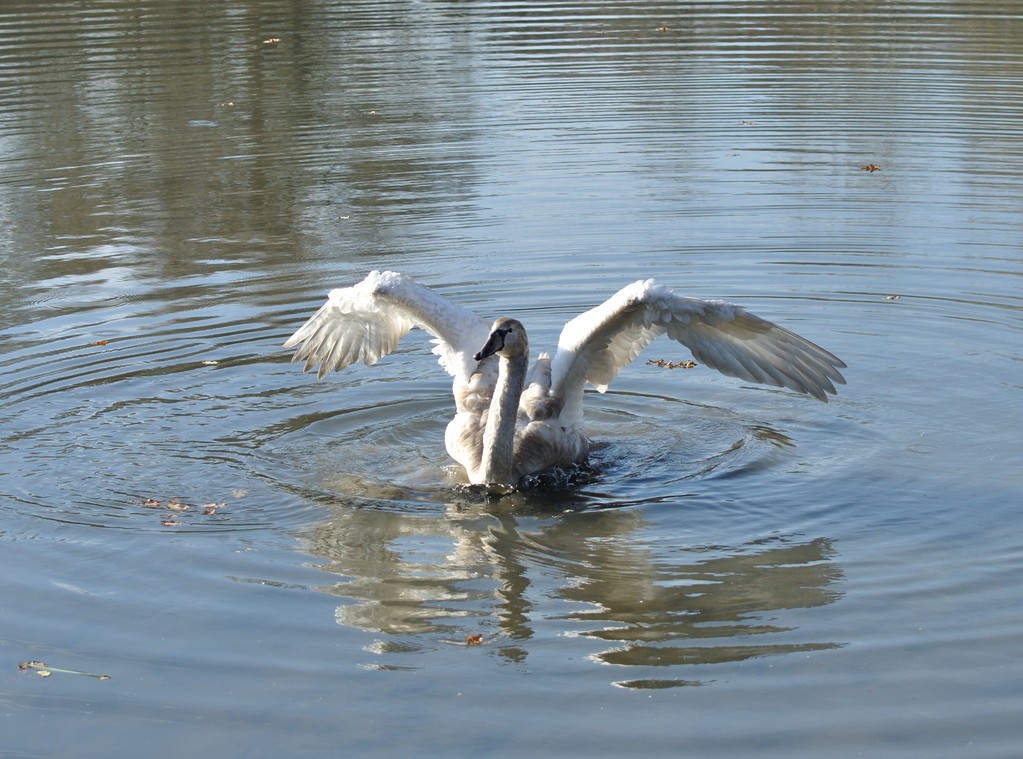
[507,425]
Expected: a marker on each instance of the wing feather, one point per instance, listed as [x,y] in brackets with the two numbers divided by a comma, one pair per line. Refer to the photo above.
[597,344]
[364,322]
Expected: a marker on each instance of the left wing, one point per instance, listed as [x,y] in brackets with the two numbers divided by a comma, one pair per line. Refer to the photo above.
[597,344]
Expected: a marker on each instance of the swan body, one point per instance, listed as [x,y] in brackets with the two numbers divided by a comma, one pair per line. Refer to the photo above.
[511,421]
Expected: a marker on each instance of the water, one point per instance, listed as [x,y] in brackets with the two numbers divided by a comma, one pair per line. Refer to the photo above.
[740,570]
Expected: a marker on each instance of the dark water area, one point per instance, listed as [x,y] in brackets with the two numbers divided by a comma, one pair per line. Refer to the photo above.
[266,564]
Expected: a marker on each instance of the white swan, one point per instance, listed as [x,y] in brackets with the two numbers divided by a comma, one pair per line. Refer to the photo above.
[508,425]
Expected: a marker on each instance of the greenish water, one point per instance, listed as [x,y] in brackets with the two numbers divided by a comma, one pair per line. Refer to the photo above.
[744,571]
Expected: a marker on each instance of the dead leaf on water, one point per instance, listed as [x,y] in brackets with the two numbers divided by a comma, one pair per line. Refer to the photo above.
[45,670]
[177,509]
[686,364]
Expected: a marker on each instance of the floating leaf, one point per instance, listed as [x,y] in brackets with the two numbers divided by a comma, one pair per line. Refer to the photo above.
[45,670]
[686,364]
[100,342]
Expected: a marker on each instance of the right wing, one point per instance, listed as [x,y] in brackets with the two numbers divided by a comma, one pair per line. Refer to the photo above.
[364,323]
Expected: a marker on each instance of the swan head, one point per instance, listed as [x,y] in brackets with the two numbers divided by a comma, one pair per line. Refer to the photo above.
[507,339]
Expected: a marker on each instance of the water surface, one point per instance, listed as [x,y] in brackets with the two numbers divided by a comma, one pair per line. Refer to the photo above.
[739,570]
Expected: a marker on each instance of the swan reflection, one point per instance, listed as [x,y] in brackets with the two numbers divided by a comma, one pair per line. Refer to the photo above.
[424,580]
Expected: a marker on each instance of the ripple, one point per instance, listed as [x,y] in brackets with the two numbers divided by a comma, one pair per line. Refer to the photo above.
[646,449]
[789,557]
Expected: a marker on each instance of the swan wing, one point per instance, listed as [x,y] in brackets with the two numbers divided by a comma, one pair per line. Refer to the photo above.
[364,322]
[597,344]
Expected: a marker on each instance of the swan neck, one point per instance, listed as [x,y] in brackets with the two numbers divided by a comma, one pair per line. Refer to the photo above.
[499,435]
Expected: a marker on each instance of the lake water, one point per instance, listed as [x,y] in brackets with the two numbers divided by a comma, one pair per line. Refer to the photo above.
[742,571]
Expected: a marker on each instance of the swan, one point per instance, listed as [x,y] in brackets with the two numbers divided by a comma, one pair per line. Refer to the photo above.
[511,421]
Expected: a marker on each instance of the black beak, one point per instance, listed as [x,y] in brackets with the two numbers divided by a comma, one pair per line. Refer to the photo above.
[494,344]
